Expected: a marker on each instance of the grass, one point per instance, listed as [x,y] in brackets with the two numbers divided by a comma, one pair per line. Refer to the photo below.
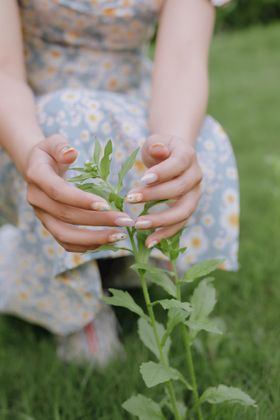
[245,95]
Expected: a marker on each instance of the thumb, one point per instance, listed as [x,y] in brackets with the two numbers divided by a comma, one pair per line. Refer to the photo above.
[58,148]
[154,151]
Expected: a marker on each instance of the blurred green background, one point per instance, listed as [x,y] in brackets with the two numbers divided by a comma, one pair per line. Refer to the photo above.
[242,13]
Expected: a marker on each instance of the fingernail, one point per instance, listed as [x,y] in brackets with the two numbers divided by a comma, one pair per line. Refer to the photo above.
[151,244]
[158,145]
[149,178]
[124,221]
[100,206]
[143,224]
[67,149]
[134,197]
[117,237]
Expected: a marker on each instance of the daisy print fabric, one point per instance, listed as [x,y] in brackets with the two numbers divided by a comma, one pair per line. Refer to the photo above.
[87,66]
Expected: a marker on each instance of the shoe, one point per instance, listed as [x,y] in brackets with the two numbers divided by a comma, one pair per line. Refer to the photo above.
[97,343]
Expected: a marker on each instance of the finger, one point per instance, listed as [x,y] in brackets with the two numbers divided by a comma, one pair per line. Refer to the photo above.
[46,179]
[68,234]
[74,215]
[180,159]
[58,148]
[167,190]
[181,210]
[155,149]
[163,233]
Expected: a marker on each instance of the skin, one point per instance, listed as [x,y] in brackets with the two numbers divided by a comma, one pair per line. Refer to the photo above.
[177,108]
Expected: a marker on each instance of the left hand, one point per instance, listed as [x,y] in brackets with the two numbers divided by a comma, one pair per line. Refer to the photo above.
[173,174]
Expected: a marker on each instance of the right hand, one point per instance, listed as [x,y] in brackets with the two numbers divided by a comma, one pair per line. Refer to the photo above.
[60,206]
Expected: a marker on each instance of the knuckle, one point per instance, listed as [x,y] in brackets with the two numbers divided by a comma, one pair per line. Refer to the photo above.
[29,196]
[66,215]
[54,192]
[30,174]
[181,188]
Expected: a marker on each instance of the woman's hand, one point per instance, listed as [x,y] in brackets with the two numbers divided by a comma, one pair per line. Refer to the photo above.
[173,173]
[60,206]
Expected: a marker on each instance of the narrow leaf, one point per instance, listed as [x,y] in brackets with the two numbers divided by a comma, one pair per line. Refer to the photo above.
[125,300]
[176,316]
[203,300]
[201,269]
[147,336]
[225,394]
[206,325]
[144,408]
[106,160]
[125,168]
[156,373]
[94,189]
[173,303]
[97,152]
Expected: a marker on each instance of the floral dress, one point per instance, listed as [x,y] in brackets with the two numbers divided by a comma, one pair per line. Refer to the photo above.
[87,65]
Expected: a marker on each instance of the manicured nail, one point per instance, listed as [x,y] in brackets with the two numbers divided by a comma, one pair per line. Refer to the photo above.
[143,224]
[149,178]
[134,197]
[100,206]
[117,237]
[158,145]
[151,244]
[124,221]
[67,149]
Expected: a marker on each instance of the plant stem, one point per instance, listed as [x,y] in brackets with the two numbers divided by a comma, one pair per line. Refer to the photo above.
[187,346]
[150,310]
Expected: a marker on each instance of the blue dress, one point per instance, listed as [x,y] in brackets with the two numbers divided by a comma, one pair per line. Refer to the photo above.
[87,65]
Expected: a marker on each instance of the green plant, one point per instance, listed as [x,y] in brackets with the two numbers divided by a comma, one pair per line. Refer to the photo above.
[191,317]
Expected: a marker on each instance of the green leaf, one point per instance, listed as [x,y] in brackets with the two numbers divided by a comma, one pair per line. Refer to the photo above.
[157,276]
[203,300]
[144,408]
[204,325]
[125,168]
[94,189]
[79,178]
[156,373]
[176,316]
[106,160]
[201,269]
[146,335]
[225,394]
[173,303]
[125,300]
[97,152]
[116,200]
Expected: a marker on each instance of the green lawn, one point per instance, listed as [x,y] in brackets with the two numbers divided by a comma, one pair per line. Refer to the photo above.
[245,97]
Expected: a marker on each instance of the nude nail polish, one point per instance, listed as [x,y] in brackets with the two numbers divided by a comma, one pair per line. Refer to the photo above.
[117,237]
[143,224]
[149,178]
[100,206]
[151,244]
[134,197]
[124,221]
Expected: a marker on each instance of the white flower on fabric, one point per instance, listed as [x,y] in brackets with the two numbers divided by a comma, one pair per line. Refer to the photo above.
[209,145]
[231,173]
[219,243]
[230,221]
[230,197]
[93,118]
[70,96]
[84,135]
[197,240]
[208,220]
[106,128]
